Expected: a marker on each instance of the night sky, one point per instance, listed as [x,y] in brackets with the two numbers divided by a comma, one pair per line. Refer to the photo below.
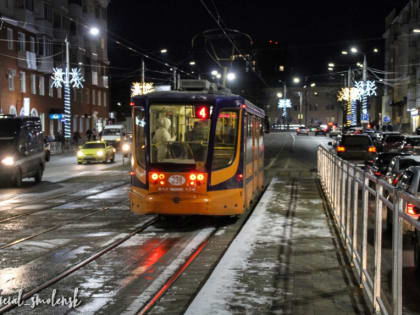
[314,32]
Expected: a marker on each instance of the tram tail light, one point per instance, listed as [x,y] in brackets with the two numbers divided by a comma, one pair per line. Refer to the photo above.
[239,177]
[200,177]
[154,176]
[341,148]
[193,177]
[158,178]
[412,210]
[372,149]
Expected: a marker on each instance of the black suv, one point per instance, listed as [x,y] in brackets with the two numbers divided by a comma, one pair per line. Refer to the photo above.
[356,148]
[22,151]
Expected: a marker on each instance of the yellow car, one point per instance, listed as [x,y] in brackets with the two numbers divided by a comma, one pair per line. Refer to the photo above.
[95,151]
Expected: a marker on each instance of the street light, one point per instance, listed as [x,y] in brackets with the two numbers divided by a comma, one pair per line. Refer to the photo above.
[375,50]
[331,65]
[313,84]
[279,94]
[192,63]
[94,31]
[344,52]
[354,50]
[296,80]
[214,72]
[231,76]
[163,51]
[416,30]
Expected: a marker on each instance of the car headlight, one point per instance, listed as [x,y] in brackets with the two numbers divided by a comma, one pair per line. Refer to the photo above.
[80,154]
[126,147]
[118,139]
[102,139]
[8,161]
[100,153]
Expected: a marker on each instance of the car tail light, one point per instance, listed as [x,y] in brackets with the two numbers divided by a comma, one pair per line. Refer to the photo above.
[411,209]
[395,181]
[341,148]
[372,149]
[298,130]
[378,174]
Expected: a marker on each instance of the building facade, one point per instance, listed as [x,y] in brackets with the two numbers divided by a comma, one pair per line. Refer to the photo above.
[401,99]
[32,44]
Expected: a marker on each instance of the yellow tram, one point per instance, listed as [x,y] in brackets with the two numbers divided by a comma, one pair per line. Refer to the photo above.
[197,152]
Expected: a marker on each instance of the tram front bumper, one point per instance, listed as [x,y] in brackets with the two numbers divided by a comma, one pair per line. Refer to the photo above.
[226,202]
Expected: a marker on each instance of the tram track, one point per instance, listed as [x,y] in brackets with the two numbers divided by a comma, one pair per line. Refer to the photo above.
[47,207]
[75,267]
[146,307]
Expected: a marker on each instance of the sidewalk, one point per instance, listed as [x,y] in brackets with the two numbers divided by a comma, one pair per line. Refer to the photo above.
[286,260]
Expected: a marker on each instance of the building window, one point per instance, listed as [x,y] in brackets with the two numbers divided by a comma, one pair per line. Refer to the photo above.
[42,117]
[23,82]
[94,78]
[10,38]
[99,98]
[281,68]
[59,92]
[21,39]
[11,77]
[93,97]
[20,4]
[73,28]
[97,12]
[47,12]
[105,81]
[50,88]
[88,96]
[84,6]
[32,47]
[57,20]
[33,83]
[41,85]
[29,5]
[105,100]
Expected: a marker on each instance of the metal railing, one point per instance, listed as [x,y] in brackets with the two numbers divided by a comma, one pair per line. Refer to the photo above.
[348,190]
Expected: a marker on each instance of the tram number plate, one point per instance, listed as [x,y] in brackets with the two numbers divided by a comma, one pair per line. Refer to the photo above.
[176,180]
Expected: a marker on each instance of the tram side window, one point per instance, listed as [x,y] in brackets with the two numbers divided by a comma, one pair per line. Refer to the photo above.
[248,140]
[225,139]
[140,136]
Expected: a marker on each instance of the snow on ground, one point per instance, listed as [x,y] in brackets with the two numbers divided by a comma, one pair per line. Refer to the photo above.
[230,287]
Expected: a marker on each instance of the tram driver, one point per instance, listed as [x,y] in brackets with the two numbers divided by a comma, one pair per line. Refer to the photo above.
[162,137]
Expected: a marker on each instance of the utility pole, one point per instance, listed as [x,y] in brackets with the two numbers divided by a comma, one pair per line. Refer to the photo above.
[143,70]
[174,78]
[67,101]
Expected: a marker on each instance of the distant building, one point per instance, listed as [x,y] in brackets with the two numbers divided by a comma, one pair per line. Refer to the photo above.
[401,99]
[32,34]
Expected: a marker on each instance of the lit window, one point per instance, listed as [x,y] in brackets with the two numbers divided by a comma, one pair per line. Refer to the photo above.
[41,85]
[33,83]
[10,38]
[21,39]
[11,77]
[23,82]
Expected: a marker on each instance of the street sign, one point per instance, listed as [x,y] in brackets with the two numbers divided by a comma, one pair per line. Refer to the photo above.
[387,119]
[365,118]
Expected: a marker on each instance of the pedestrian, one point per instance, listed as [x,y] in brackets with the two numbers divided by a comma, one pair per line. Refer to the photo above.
[161,138]
[94,134]
[76,138]
[89,134]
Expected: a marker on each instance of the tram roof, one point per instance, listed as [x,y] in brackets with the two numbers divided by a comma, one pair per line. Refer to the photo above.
[197,97]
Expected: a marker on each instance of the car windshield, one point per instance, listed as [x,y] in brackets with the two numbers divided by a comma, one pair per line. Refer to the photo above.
[8,127]
[94,146]
[112,132]
[179,134]
[407,163]
[356,141]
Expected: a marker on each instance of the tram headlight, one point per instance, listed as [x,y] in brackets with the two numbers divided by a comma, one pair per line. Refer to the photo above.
[8,161]
[80,154]
[100,153]
[126,147]
[118,139]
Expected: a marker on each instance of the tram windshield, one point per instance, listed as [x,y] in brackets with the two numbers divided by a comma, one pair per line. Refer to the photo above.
[179,134]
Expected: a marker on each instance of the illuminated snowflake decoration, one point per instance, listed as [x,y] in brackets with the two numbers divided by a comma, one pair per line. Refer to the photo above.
[347,94]
[77,78]
[59,78]
[138,88]
[367,88]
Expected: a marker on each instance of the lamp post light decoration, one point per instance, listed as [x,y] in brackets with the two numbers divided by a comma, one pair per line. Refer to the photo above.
[365,88]
[73,78]
[351,96]
[138,88]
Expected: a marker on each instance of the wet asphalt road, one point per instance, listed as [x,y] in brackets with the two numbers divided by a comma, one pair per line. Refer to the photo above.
[79,209]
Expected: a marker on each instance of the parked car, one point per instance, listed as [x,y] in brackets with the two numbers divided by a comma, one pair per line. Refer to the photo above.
[411,144]
[381,136]
[398,164]
[334,131]
[392,143]
[22,151]
[355,147]
[409,182]
[379,165]
[417,250]
[302,130]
